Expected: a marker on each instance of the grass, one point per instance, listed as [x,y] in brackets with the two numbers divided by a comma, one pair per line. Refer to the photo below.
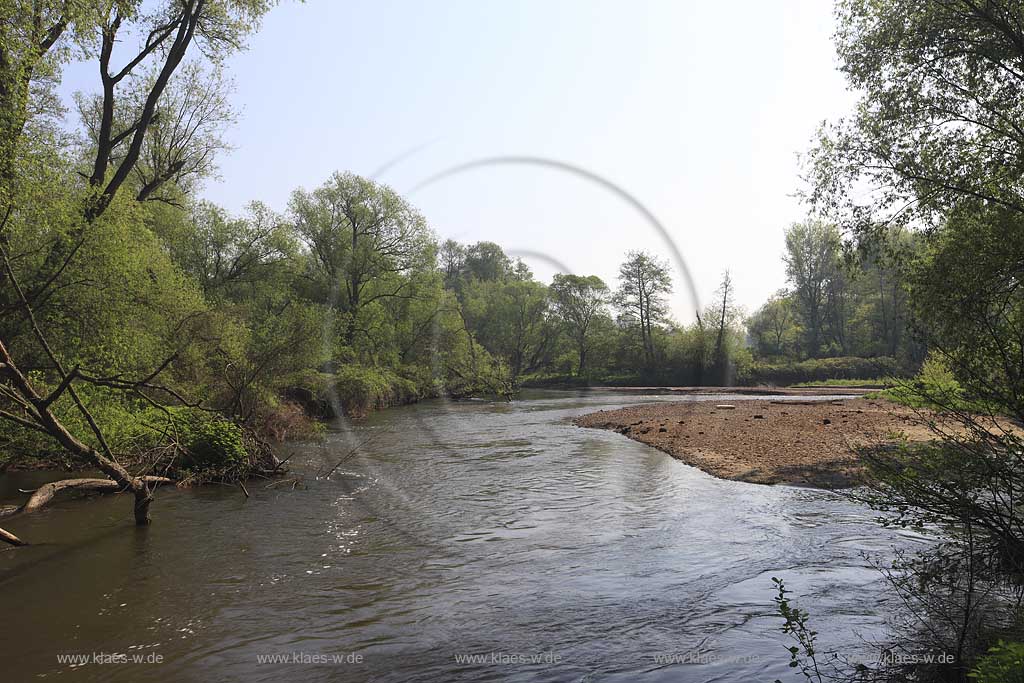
[875,383]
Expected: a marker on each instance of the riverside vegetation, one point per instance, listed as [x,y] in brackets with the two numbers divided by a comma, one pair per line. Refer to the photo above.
[145,328]
[926,171]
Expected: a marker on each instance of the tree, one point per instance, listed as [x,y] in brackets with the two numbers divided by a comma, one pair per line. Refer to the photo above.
[218,27]
[883,258]
[486,261]
[723,318]
[363,239]
[33,403]
[969,306]
[579,301]
[812,252]
[935,144]
[644,282]
[185,133]
[840,297]
[773,326]
[860,297]
[452,256]
[30,53]
[30,32]
[509,318]
[224,254]
[940,120]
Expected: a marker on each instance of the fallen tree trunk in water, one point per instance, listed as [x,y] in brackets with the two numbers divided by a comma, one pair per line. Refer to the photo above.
[45,493]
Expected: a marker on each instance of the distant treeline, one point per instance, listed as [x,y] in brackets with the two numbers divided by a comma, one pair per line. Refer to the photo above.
[136,315]
[347,301]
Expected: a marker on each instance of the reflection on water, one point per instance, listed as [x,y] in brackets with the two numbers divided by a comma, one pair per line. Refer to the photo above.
[473,541]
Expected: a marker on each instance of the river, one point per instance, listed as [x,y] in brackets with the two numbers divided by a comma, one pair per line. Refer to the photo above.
[469,541]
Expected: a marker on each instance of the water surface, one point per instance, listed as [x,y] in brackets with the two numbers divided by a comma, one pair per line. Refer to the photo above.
[468,541]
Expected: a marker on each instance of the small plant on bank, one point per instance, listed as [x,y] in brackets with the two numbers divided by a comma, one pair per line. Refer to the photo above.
[814,666]
[1004,663]
[802,655]
[212,448]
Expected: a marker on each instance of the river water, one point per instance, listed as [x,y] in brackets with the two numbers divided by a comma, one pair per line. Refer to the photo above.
[468,541]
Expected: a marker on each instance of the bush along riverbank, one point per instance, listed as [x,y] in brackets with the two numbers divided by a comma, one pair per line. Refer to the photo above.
[190,445]
[850,371]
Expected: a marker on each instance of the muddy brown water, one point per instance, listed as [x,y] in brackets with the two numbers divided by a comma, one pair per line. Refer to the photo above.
[470,541]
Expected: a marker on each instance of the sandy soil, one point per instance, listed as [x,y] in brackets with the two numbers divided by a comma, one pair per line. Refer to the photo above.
[783,441]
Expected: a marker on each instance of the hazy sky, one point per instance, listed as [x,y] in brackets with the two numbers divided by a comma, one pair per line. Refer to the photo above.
[697,109]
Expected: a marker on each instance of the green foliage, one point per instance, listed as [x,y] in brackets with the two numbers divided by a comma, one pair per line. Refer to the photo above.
[363,241]
[820,370]
[486,262]
[934,387]
[844,299]
[775,328]
[813,267]
[1004,663]
[579,302]
[229,258]
[361,389]
[929,145]
[131,427]
[644,283]
[510,319]
[210,443]
[939,107]
[120,306]
[803,655]
[874,383]
[968,302]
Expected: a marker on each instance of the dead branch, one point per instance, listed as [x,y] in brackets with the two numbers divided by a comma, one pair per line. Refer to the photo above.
[281,463]
[8,537]
[41,417]
[348,455]
[45,493]
[274,485]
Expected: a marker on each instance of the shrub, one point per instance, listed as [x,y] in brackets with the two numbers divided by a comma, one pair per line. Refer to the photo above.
[820,369]
[360,389]
[211,444]
[287,419]
[1004,663]
[933,387]
[553,381]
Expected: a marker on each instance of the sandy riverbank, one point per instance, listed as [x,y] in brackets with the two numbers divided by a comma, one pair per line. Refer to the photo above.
[784,441]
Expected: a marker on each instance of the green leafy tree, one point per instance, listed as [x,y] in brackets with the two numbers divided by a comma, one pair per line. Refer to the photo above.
[363,241]
[644,284]
[229,257]
[510,320]
[486,261]
[774,326]
[940,115]
[812,264]
[935,144]
[579,302]
[31,40]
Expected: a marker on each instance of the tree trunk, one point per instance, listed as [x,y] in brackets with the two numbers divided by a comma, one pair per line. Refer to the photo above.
[51,425]
[45,494]
[143,499]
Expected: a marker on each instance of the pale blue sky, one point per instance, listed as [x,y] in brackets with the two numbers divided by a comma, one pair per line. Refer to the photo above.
[698,109]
